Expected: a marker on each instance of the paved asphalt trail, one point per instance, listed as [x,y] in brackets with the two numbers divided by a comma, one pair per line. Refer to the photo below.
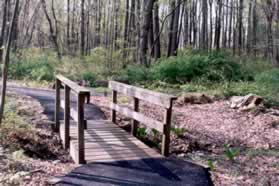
[161,172]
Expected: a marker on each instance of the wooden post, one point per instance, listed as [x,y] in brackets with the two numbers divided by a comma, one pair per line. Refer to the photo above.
[88,98]
[114,100]
[57,105]
[166,133]
[80,111]
[135,122]
[67,118]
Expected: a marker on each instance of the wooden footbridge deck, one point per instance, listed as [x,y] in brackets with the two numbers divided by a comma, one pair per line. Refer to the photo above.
[102,140]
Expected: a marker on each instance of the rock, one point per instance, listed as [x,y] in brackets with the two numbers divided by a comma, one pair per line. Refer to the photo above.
[101,83]
[194,98]
[246,103]
[18,175]
[56,162]
[182,155]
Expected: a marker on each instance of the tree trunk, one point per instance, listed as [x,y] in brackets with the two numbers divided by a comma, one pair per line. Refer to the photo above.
[51,29]
[146,18]
[249,31]
[6,62]
[240,26]
[218,24]
[126,30]
[157,44]
[255,26]
[3,28]
[173,27]
[68,24]
[204,40]
[82,29]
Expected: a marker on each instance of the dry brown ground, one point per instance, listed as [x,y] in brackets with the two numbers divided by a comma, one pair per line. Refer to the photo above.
[208,127]
[43,155]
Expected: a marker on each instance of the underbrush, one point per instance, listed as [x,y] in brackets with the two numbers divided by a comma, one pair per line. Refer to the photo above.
[20,136]
[218,73]
[42,66]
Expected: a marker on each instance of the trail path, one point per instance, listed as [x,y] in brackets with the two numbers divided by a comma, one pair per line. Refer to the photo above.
[159,171]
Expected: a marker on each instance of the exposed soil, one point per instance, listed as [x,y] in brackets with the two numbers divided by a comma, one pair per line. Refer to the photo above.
[33,154]
[208,128]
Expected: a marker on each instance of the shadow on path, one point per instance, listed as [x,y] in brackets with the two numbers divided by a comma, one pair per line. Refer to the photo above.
[160,171]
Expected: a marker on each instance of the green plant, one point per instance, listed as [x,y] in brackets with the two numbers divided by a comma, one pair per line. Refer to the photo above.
[230,152]
[215,67]
[89,77]
[178,131]
[133,74]
[141,132]
[154,132]
[211,165]
[44,72]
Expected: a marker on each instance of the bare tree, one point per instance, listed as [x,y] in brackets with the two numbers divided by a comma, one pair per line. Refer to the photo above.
[6,61]
[146,18]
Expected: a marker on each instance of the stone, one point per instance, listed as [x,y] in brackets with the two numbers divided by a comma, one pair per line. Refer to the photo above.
[246,103]
[194,98]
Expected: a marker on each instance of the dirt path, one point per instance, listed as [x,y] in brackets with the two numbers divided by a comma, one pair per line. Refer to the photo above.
[46,98]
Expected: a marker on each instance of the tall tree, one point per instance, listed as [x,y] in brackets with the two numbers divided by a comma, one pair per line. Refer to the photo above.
[156,20]
[6,61]
[218,24]
[240,26]
[53,33]
[204,39]
[126,33]
[145,26]
[82,29]
[174,27]
[3,27]
[269,7]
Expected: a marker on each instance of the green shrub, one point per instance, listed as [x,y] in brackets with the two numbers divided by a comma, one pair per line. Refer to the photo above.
[44,72]
[89,77]
[133,74]
[270,77]
[32,65]
[214,67]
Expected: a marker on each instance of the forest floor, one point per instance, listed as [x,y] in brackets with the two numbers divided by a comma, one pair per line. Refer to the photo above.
[32,152]
[240,148]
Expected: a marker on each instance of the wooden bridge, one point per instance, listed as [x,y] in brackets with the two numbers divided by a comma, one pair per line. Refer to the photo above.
[102,140]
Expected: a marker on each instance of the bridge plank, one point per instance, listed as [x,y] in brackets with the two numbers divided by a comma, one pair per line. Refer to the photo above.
[107,144]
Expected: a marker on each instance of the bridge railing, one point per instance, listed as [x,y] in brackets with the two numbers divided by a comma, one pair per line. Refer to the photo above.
[82,94]
[163,100]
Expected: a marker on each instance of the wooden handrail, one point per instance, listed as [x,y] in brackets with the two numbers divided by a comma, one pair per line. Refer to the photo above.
[78,115]
[73,86]
[164,100]
[157,98]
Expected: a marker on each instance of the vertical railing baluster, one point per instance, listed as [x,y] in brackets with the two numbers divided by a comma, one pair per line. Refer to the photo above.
[80,123]
[57,104]
[67,118]
[135,122]
[114,100]
[166,132]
